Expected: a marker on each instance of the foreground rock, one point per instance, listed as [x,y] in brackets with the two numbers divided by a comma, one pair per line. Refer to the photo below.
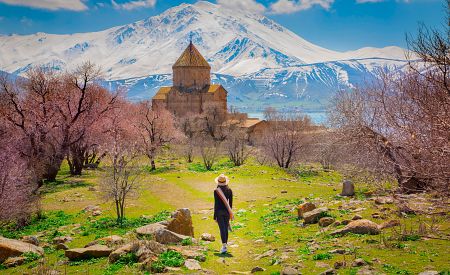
[359,227]
[192,264]
[305,207]
[14,261]
[143,250]
[150,229]
[314,215]
[326,221]
[181,222]
[348,188]
[62,239]
[13,248]
[289,270]
[30,239]
[95,251]
[208,237]
[165,236]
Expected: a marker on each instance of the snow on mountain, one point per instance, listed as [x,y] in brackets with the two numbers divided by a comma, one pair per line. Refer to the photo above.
[253,56]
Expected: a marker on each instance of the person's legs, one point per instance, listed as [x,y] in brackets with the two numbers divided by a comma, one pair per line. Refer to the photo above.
[223,220]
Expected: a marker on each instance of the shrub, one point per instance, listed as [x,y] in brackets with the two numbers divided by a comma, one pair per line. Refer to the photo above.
[322,256]
[169,258]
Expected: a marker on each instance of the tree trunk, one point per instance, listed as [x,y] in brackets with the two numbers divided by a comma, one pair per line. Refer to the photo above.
[152,162]
[53,168]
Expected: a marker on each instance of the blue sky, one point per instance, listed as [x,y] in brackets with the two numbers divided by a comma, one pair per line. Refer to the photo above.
[334,24]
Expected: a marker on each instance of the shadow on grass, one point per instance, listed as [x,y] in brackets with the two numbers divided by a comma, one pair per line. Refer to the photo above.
[158,170]
[60,185]
[223,255]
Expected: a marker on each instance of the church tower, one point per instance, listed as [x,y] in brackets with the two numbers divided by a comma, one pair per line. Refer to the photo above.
[191,71]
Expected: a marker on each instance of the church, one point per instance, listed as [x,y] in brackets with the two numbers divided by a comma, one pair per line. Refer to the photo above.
[192,92]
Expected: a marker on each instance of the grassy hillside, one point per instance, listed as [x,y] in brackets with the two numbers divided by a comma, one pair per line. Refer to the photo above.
[265,204]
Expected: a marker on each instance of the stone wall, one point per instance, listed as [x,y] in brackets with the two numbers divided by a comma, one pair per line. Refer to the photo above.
[191,77]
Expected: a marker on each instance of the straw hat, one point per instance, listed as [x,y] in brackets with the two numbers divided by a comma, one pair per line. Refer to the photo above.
[222,180]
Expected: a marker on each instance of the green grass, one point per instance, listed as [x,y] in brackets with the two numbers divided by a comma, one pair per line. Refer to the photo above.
[169,258]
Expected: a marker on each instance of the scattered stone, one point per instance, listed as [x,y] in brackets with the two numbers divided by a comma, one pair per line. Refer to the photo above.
[389,224]
[192,264]
[329,271]
[92,189]
[359,262]
[257,269]
[313,216]
[283,191]
[383,200]
[289,270]
[356,217]
[359,227]
[376,215]
[404,208]
[13,248]
[165,236]
[338,265]
[96,213]
[326,221]
[30,239]
[337,251]
[14,261]
[208,237]
[348,188]
[181,222]
[359,209]
[95,251]
[143,250]
[112,240]
[336,223]
[91,208]
[429,272]
[62,239]
[367,270]
[149,229]
[345,222]
[305,207]
[268,253]
[61,246]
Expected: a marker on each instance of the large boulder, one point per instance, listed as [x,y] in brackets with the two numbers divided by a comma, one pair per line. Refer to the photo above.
[14,248]
[359,227]
[95,251]
[305,207]
[165,236]
[14,261]
[181,222]
[314,215]
[348,188]
[150,229]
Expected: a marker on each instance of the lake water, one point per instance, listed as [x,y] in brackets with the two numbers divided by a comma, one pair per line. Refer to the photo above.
[316,117]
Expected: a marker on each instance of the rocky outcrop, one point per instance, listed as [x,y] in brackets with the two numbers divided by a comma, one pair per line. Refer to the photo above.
[326,221]
[314,215]
[389,224]
[13,248]
[359,227]
[181,222]
[13,261]
[348,188]
[305,207]
[30,239]
[165,236]
[192,264]
[142,249]
[150,229]
[95,251]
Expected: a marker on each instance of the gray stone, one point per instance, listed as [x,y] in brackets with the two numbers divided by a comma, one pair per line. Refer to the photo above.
[30,239]
[165,236]
[208,237]
[314,215]
[61,246]
[12,248]
[192,264]
[149,229]
[289,270]
[359,262]
[62,239]
[326,221]
[359,227]
[95,251]
[329,271]
[14,261]
[356,217]
[257,269]
[348,188]
[429,272]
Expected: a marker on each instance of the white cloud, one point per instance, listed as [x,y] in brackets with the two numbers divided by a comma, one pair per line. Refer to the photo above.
[291,6]
[74,5]
[134,4]
[243,5]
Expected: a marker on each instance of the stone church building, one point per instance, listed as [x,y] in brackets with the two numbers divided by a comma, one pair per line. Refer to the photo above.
[192,92]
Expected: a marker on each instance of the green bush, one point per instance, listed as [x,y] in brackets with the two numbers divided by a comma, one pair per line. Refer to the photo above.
[168,258]
[187,241]
[322,256]
[30,257]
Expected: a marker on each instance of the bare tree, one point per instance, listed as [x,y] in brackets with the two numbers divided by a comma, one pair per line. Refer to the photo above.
[237,146]
[285,137]
[209,150]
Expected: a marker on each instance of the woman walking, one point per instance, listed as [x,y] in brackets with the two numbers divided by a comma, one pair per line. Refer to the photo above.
[223,204]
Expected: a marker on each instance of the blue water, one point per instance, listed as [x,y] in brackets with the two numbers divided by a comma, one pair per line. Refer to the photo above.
[316,117]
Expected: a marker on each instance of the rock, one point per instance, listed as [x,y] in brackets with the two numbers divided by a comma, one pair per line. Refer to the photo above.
[30,239]
[96,213]
[348,189]
[383,200]
[208,237]
[305,207]
[14,261]
[314,215]
[289,270]
[95,251]
[181,222]
[62,239]
[359,262]
[429,272]
[338,265]
[376,215]
[336,223]
[149,229]
[326,221]
[91,208]
[142,249]
[359,227]
[356,217]
[92,189]
[61,246]
[283,191]
[329,271]
[165,236]
[192,264]
[404,208]
[189,253]
[337,251]
[13,248]
[112,240]
[345,222]
[268,253]
[257,269]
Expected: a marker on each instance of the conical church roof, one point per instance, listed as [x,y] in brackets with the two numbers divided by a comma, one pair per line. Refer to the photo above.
[191,57]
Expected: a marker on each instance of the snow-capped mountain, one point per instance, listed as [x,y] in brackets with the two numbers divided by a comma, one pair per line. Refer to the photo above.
[257,60]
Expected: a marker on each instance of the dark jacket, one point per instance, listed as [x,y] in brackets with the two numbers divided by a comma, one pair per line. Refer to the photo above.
[219,206]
